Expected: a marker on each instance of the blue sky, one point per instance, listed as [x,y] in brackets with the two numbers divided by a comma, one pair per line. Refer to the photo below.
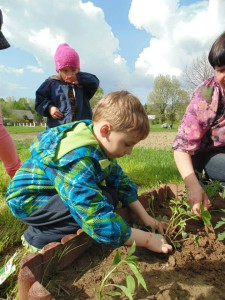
[125,43]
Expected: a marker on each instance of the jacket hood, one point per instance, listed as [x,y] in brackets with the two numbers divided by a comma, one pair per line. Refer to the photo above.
[53,144]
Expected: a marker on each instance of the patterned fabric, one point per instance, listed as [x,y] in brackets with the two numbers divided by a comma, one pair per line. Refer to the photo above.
[75,176]
[71,95]
[203,125]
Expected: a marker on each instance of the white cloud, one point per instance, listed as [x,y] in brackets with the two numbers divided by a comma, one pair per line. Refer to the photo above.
[35,69]
[177,35]
[11,70]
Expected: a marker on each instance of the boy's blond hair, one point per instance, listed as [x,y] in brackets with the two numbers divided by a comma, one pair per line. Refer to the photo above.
[124,112]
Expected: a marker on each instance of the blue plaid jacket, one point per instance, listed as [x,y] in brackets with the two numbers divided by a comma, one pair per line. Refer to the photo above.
[68,160]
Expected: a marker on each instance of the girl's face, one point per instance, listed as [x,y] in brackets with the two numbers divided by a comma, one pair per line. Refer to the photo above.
[68,74]
[220,75]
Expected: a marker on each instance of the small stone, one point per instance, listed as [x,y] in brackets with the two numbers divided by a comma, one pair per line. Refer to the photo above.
[199,256]
[172,261]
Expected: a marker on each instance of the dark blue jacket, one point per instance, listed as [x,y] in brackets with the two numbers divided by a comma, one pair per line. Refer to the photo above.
[55,92]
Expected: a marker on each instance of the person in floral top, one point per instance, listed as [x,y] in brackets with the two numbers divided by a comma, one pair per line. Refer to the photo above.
[200,142]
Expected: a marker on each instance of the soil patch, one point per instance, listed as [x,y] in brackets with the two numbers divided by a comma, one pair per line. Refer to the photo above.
[159,140]
[196,271]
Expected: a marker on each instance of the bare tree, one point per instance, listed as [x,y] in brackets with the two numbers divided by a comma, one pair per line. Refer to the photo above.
[198,71]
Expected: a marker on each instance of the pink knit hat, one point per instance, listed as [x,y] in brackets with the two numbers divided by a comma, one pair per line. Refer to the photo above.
[65,56]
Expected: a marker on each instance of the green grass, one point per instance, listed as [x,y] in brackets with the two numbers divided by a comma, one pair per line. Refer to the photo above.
[147,167]
[157,128]
[24,129]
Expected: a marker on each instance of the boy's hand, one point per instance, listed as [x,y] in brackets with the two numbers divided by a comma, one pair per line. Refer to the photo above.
[158,226]
[55,113]
[152,241]
[157,243]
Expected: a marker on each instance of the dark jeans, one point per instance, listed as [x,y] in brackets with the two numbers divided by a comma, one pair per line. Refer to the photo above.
[53,221]
[213,163]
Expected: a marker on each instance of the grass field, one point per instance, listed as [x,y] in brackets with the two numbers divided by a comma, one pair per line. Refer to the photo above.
[148,167]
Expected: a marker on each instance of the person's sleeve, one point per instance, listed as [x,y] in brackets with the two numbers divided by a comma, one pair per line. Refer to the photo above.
[43,99]
[89,207]
[197,120]
[89,82]
[126,189]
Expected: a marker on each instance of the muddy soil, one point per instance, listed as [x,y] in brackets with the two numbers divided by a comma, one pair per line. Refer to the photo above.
[196,271]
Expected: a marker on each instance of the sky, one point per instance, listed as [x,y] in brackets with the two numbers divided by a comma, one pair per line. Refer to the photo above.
[125,43]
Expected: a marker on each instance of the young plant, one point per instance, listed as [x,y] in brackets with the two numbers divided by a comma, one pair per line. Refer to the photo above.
[175,232]
[220,223]
[206,216]
[129,288]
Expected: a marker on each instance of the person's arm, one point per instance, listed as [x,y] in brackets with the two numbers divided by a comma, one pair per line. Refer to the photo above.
[195,193]
[44,104]
[137,208]
[89,82]
[150,240]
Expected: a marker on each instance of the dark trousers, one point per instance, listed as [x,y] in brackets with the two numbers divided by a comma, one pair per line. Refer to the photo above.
[53,221]
[213,163]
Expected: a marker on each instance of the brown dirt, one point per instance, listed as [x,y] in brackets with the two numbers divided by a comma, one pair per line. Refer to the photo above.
[160,140]
[195,272]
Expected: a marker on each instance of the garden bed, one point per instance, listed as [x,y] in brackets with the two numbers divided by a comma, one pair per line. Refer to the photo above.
[195,271]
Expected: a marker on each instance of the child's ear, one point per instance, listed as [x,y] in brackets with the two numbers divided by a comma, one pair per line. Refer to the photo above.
[105,130]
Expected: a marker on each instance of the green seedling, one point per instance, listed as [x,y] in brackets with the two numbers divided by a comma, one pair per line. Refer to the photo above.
[175,232]
[129,289]
[212,188]
[206,216]
[220,223]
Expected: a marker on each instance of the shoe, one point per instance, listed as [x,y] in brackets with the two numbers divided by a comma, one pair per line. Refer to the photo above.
[28,247]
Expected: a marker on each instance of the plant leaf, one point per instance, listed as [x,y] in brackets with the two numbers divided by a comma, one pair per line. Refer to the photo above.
[206,216]
[113,294]
[138,275]
[221,236]
[219,224]
[130,284]
[132,249]
[125,291]
[117,258]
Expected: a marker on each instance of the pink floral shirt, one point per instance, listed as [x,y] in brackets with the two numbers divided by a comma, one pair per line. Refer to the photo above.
[203,125]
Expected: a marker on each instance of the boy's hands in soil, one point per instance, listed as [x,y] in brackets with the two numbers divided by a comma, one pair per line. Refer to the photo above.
[149,240]
[157,243]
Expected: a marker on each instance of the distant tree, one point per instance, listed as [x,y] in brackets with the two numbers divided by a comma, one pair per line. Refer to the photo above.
[97,96]
[198,71]
[166,98]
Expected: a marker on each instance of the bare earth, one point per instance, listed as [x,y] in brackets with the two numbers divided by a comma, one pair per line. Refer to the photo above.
[195,272]
[158,140]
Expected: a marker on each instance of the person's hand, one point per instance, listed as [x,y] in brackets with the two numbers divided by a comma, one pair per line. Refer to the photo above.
[71,79]
[157,243]
[156,225]
[55,113]
[197,196]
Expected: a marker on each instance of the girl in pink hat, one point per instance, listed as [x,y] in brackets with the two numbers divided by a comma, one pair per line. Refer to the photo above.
[66,97]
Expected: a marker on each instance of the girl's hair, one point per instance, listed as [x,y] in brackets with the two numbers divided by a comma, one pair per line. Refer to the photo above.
[124,112]
[217,53]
